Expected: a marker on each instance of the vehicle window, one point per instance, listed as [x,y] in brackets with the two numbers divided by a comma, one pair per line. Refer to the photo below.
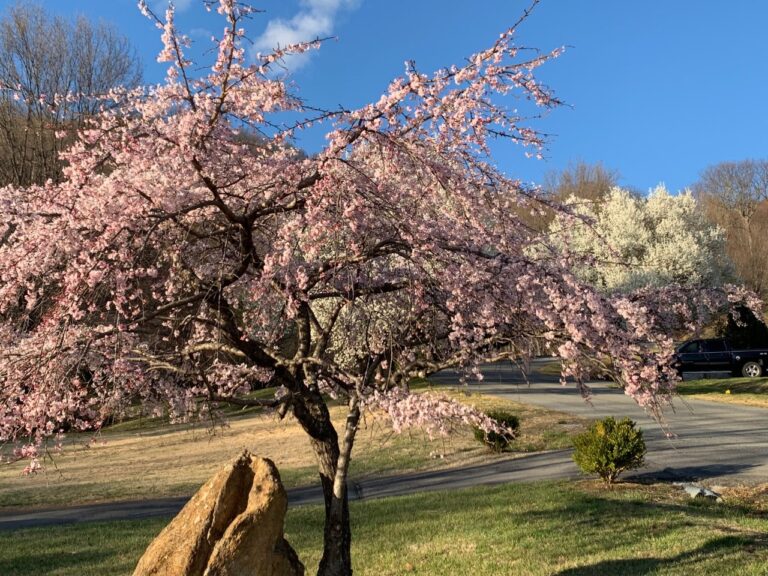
[691,347]
[714,346]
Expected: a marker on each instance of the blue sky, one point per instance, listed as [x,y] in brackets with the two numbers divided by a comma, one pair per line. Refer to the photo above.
[657,89]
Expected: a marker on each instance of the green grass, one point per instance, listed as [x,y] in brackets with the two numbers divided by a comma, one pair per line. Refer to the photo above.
[748,391]
[518,529]
[93,549]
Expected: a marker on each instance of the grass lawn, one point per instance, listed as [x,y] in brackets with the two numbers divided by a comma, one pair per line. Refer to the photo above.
[748,391]
[550,528]
[133,461]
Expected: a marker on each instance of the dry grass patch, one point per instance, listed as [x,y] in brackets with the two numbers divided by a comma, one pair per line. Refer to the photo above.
[749,497]
[132,463]
[156,462]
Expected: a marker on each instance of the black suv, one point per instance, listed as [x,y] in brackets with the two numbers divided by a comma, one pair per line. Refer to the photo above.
[716,355]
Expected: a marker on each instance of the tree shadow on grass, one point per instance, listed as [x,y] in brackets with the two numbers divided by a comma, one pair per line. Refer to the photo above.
[599,527]
[593,509]
[41,562]
[88,549]
[710,531]
[629,531]
[715,548]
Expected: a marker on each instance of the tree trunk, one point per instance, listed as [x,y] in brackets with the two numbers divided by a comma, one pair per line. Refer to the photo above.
[333,463]
[337,557]
[337,536]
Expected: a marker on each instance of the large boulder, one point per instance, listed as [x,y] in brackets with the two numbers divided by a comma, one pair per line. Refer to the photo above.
[233,526]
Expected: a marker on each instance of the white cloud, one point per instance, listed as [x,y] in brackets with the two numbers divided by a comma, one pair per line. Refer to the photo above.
[315,20]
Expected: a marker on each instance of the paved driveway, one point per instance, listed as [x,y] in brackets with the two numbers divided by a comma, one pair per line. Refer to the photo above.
[719,443]
[712,440]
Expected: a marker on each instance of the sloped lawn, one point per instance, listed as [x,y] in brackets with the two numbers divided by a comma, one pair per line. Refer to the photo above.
[550,528]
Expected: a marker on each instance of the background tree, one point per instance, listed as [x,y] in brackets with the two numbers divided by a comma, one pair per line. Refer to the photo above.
[42,56]
[178,266]
[743,329]
[633,242]
[581,182]
[590,182]
[734,196]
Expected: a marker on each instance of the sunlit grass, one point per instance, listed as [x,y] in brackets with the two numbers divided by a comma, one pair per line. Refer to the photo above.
[549,528]
[747,391]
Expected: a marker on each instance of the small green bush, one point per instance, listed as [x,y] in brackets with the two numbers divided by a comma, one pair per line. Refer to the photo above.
[609,447]
[495,441]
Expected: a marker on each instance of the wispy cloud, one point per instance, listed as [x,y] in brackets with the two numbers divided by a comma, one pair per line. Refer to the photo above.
[202,33]
[315,20]
[160,5]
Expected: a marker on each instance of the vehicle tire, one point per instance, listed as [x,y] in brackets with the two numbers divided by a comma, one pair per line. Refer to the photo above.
[751,370]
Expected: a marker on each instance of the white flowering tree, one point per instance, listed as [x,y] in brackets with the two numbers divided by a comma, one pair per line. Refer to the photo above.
[632,242]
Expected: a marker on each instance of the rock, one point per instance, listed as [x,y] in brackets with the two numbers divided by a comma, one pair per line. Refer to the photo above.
[255,537]
[695,491]
[233,526]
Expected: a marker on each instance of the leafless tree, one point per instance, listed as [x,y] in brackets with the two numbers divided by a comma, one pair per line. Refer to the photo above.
[41,56]
[588,182]
[735,196]
[592,182]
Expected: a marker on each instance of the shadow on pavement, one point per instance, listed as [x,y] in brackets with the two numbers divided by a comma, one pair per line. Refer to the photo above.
[537,466]
[689,473]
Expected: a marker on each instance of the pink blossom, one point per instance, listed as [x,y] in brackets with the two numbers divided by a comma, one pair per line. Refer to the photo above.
[191,256]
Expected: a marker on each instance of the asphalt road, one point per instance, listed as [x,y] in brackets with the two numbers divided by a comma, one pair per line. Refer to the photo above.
[719,442]
[716,443]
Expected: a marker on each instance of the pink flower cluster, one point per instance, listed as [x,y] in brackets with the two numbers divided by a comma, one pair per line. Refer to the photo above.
[191,253]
